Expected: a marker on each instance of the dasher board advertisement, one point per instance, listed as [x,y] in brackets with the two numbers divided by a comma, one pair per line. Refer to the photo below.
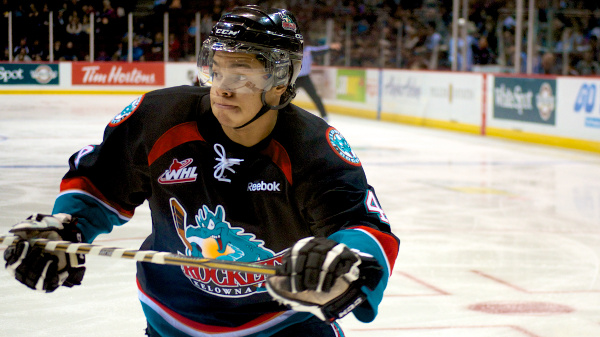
[529,100]
[579,107]
[28,74]
[118,73]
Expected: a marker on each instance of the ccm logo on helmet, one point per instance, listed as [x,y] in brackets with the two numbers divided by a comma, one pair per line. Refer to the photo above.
[226,32]
[262,186]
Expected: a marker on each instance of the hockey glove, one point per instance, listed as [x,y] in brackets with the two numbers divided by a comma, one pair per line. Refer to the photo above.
[39,269]
[324,277]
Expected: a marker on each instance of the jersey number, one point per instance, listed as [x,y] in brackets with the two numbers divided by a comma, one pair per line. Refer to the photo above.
[374,207]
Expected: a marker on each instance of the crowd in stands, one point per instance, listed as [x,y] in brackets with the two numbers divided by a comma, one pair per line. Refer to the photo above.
[383,33]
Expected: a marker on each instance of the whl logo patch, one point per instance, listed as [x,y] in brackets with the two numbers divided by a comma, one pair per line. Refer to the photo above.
[179,172]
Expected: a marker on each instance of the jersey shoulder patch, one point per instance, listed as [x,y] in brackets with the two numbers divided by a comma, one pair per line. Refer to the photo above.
[128,111]
[341,147]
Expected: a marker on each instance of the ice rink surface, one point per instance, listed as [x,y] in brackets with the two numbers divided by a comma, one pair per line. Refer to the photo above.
[499,238]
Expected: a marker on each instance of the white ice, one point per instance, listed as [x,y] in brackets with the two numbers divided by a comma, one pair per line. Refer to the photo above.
[499,238]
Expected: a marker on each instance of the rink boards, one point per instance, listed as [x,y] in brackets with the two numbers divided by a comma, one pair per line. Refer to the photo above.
[560,111]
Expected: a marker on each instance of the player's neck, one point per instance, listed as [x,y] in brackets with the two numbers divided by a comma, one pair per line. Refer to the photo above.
[254,132]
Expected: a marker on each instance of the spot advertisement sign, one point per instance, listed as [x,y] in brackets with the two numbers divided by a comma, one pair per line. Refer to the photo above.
[28,74]
[530,100]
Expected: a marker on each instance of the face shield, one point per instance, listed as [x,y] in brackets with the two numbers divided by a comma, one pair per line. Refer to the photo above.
[241,67]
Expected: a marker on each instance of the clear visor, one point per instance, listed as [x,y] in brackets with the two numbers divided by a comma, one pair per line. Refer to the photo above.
[239,68]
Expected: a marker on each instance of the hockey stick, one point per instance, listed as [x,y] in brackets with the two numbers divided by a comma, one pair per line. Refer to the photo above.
[150,256]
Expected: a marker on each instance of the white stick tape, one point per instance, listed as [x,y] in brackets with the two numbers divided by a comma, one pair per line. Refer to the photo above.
[159,258]
[139,256]
[74,246]
[96,250]
[117,253]
[51,245]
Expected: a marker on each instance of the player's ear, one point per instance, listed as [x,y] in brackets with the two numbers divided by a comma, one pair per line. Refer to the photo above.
[280,89]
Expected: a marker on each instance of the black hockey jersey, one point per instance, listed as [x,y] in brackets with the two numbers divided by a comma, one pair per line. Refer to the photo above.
[210,197]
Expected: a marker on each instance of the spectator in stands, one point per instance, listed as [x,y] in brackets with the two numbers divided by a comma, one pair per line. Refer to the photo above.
[35,21]
[103,56]
[489,32]
[74,27]
[433,38]
[463,44]
[57,50]
[36,51]
[22,46]
[122,51]
[85,25]
[107,10]
[61,18]
[587,65]
[70,53]
[156,49]
[548,64]
[427,48]
[120,54]
[174,48]
[482,53]
[22,56]
[594,47]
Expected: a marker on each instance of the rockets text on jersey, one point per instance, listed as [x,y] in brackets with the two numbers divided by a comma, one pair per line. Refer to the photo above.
[213,237]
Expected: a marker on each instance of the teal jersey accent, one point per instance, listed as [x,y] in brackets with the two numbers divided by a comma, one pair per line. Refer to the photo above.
[356,239]
[94,217]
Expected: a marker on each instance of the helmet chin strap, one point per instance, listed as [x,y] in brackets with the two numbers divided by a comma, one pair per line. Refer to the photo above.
[266,107]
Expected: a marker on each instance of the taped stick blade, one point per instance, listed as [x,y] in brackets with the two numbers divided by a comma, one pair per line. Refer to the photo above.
[179,219]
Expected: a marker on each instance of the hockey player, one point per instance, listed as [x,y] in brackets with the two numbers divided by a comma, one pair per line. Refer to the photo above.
[305,82]
[231,171]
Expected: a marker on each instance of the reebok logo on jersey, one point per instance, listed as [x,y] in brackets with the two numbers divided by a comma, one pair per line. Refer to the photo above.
[179,172]
[262,186]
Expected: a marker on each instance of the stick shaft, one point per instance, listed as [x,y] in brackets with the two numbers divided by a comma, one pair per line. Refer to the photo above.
[149,256]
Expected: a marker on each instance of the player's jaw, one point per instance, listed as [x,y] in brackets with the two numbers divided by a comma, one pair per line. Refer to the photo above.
[234,110]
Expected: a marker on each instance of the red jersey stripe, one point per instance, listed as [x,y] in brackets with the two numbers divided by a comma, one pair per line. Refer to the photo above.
[84,184]
[205,328]
[280,157]
[388,243]
[175,136]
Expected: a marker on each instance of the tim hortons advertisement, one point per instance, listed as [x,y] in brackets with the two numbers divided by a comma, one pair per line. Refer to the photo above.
[118,73]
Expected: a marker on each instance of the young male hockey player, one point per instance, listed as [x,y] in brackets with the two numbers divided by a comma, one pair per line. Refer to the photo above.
[232,172]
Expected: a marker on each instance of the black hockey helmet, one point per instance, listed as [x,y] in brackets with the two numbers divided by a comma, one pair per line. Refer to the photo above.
[273,35]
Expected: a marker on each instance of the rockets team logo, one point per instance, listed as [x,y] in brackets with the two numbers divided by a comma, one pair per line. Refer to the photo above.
[128,111]
[287,22]
[179,172]
[212,236]
[341,147]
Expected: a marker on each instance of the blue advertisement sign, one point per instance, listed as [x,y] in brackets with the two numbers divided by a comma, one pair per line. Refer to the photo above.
[585,103]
